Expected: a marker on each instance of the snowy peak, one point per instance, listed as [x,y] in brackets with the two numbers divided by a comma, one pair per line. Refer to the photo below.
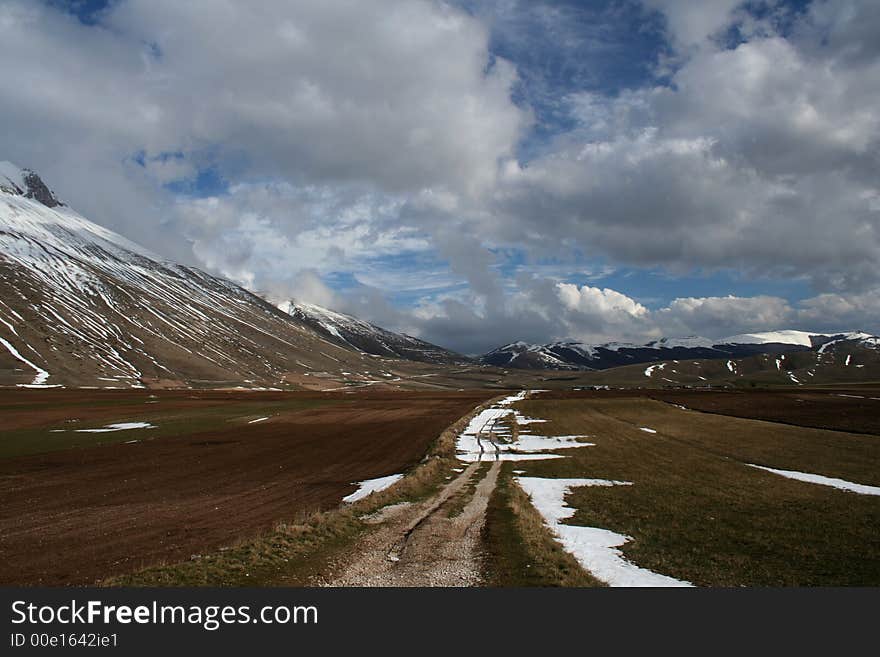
[82,305]
[578,355]
[801,338]
[351,332]
[27,183]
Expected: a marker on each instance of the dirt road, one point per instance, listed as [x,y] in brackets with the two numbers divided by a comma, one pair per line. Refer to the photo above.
[419,544]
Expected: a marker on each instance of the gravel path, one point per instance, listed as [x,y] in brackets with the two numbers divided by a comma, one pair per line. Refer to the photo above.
[418,545]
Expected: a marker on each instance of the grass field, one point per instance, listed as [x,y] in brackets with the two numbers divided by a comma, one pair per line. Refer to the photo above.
[244,488]
[697,512]
[519,549]
[58,421]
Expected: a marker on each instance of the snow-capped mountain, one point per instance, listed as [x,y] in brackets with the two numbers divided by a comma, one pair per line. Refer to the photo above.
[81,305]
[581,356]
[351,332]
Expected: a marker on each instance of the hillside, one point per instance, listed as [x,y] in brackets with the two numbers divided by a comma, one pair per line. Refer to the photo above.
[81,305]
[842,362]
[351,332]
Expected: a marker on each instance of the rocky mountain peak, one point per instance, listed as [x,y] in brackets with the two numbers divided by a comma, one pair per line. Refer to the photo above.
[27,183]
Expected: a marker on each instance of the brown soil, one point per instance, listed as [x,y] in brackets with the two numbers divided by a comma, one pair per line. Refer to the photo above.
[841,410]
[420,545]
[855,410]
[79,515]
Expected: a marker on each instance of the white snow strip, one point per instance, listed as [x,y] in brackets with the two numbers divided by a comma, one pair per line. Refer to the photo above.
[851,396]
[521,420]
[480,440]
[841,484]
[259,419]
[647,430]
[730,366]
[848,359]
[42,375]
[593,547]
[650,370]
[370,486]
[119,426]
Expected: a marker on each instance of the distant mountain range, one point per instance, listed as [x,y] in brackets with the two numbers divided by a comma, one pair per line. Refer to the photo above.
[83,306]
[353,333]
[582,356]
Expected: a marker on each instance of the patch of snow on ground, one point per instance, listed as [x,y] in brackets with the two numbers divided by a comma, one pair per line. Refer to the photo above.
[593,547]
[370,486]
[650,370]
[840,484]
[119,426]
[41,374]
[259,419]
[848,359]
[647,430]
[474,443]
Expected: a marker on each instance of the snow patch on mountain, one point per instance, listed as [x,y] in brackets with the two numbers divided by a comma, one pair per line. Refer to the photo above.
[581,356]
[351,332]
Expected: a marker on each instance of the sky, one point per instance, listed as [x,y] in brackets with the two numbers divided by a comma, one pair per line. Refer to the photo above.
[475,172]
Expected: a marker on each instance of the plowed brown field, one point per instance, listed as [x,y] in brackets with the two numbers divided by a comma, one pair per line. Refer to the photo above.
[75,515]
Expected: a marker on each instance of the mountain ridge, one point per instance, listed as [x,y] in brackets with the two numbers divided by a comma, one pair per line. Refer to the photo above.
[574,355]
[81,305]
[369,338]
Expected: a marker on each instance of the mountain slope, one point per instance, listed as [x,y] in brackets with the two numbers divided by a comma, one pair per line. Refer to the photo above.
[850,362]
[580,356]
[81,305]
[352,332]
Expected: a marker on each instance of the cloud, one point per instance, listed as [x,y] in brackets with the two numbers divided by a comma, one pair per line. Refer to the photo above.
[320,91]
[543,311]
[589,300]
[397,96]
[759,158]
[690,23]
[718,316]
[388,144]
[308,287]
[262,235]
[857,311]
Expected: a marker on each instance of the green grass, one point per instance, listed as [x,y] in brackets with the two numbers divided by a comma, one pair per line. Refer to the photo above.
[519,549]
[697,513]
[172,422]
[455,506]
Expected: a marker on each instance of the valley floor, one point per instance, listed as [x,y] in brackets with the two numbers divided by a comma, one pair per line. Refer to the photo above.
[550,488]
[189,472]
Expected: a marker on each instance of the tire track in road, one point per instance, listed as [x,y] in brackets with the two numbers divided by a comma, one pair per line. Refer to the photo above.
[419,545]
